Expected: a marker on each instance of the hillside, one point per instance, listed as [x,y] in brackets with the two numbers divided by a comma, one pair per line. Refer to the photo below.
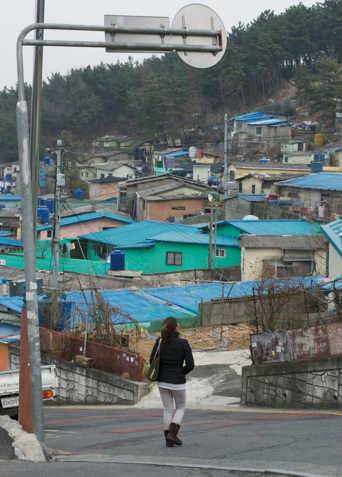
[163,95]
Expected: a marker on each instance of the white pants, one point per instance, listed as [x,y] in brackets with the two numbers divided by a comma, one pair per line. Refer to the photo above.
[168,396]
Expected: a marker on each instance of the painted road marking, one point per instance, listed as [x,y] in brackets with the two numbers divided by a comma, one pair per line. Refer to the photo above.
[111,416]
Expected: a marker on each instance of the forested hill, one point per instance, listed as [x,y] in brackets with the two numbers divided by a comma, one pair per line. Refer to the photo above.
[163,94]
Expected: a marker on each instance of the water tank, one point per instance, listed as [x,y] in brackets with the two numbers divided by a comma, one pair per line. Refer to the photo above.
[8,177]
[142,151]
[135,151]
[250,217]
[318,140]
[50,204]
[79,194]
[41,202]
[144,169]
[117,260]
[319,157]
[2,206]
[43,213]
[8,189]
[192,152]
[273,197]
[316,167]
[46,161]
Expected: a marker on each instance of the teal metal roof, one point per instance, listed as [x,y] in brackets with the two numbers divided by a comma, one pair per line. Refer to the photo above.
[333,233]
[199,239]
[276,227]
[137,234]
[75,219]
[321,181]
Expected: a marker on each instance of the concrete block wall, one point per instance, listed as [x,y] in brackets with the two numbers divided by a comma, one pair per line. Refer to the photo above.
[306,384]
[86,386]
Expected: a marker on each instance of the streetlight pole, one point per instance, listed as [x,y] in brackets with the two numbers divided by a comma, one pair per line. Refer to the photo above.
[225,155]
[56,239]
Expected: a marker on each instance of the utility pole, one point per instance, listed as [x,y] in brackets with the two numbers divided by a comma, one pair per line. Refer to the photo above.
[35,109]
[215,237]
[210,254]
[225,155]
[57,222]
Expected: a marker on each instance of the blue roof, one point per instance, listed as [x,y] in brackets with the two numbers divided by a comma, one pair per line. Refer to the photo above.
[333,233]
[9,197]
[137,234]
[177,154]
[13,303]
[275,227]
[258,116]
[269,122]
[10,242]
[199,239]
[76,219]
[5,234]
[9,333]
[250,197]
[322,181]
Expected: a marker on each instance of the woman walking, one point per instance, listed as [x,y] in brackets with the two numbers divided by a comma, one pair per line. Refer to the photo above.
[171,378]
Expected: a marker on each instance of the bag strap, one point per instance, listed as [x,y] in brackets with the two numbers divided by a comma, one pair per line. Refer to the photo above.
[158,349]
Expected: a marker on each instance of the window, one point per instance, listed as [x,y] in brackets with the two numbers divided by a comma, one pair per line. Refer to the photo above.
[286,159]
[325,196]
[98,193]
[232,175]
[240,187]
[110,175]
[15,169]
[178,208]
[94,176]
[253,188]
[294,195]
[49,233]
[94,191]
[122,196]
[86,174]
[81,174]
[300,146]
[102,176]
[207,211]
[258,131]
[174,258]
[221,253]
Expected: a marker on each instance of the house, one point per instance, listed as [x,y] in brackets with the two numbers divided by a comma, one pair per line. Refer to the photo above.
[298,157]
[9,333]
[202,171]
[259,130]
[10,245]
[260,182]
[284,256]
[121,142]
[114,155]
[293,146]
[154,247]
[239,206]
[169,202]
[103,170]
[76,225]
[130,189]
[10,200]
[314,191]
[333,233]
[104,189]
[10,220]
[237,169]
[9,168]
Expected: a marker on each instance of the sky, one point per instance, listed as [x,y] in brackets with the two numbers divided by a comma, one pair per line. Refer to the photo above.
[17,14]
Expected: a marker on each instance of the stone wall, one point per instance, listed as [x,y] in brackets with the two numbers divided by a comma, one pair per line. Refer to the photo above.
[314,383]
[86,386]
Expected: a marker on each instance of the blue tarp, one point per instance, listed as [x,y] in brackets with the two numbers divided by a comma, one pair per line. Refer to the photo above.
[9,333]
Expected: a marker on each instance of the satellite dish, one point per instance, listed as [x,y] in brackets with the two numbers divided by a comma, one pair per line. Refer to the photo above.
[250,217]
[199,17]
[210,197]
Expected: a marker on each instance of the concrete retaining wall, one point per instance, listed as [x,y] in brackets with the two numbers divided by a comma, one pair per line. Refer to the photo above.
[86,386]
[313,383]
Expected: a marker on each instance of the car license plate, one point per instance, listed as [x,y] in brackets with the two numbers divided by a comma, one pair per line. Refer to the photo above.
[10,402]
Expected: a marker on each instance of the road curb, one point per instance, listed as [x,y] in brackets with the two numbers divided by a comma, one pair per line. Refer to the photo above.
[108,460]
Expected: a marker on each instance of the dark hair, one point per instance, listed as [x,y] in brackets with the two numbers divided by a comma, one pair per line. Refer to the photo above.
[169,325]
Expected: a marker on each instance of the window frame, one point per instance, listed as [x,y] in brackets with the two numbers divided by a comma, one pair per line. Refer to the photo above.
[168,256]
[218,253]
[258,128]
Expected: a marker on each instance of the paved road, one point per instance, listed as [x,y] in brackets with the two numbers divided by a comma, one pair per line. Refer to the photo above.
[6,449]
[296,441]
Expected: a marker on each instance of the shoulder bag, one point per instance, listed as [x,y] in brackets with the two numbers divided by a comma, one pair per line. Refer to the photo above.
[152,373]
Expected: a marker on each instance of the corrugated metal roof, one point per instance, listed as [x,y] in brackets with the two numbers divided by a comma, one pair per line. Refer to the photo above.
[137,233]
[268,122]
[176,154]
[295,242]
[250,197]
[333,233]
[75,219]
[9,333]
[321,181]
[275,227]
[10,242]
[9,197]
[198,239]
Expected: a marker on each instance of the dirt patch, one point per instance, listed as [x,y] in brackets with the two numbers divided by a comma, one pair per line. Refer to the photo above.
[238,337]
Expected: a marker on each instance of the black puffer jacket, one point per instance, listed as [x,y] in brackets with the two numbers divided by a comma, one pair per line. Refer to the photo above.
[173,353]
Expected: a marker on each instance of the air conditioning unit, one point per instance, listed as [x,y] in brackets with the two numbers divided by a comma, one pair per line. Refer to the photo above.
[131,176]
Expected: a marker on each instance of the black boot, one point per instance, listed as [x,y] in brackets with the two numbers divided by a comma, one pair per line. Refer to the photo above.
[172,435]
[168,444]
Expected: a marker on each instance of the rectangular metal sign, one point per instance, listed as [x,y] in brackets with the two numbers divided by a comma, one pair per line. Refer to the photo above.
[128,21]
